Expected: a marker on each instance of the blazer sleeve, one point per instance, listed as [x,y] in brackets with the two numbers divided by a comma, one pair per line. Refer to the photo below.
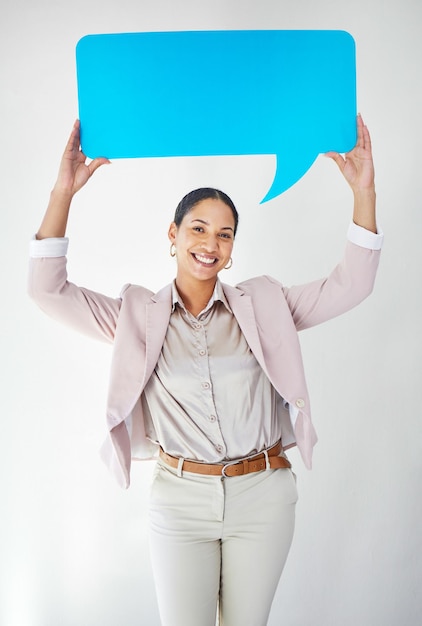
[84,310]
[351,281]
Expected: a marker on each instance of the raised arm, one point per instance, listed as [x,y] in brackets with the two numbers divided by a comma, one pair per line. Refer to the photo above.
[86,311]
[352,280]
[74,173]
[357,168]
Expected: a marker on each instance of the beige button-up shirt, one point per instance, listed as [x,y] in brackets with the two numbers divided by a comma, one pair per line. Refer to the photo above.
[208,398]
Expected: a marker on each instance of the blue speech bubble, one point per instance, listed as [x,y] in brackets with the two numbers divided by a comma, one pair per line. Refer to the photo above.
[214,93]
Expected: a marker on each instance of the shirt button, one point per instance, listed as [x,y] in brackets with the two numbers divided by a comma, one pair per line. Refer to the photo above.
[219,448]
[300,403]
[212,418]
[206,385]
[196,325]
[202,352]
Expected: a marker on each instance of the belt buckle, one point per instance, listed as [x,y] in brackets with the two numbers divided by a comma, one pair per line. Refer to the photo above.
[264,453]
[229,464]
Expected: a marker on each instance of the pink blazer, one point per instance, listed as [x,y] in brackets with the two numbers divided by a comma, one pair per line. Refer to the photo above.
[268,314]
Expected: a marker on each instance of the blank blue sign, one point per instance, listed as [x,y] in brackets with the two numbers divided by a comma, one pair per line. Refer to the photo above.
[204,93]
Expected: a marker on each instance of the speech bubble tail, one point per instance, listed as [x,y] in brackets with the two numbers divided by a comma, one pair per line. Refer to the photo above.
[290,168]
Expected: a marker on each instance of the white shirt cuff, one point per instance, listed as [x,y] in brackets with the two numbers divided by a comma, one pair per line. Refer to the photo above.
[50,247]
[365,238]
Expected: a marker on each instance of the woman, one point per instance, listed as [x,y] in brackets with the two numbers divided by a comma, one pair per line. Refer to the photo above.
[211,377]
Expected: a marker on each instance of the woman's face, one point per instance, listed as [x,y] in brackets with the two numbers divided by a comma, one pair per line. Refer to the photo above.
[204,240]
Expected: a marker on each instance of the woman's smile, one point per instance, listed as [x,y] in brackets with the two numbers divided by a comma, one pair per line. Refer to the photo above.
[203,259]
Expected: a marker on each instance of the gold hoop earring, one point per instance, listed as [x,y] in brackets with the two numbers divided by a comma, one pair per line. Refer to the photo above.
[172,250]
[229,264]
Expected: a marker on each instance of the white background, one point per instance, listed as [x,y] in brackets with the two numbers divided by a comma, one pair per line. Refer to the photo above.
[73,547]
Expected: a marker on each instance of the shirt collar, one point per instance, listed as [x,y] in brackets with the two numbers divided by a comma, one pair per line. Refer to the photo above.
[218,295]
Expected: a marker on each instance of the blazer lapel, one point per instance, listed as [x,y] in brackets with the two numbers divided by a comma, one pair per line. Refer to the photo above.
[241,305]
[158,312]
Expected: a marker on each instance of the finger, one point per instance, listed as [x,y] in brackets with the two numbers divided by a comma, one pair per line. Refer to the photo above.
[367,139]
[337,158]
[96,163]
[360,126]
[74,139]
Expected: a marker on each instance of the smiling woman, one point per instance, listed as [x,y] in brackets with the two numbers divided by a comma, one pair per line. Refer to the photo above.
[208,379]
[203,243]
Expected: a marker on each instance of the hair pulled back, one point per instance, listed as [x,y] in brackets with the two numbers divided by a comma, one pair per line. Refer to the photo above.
[196,196]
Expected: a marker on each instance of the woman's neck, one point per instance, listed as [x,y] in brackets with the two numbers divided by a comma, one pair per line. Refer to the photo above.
[195,293]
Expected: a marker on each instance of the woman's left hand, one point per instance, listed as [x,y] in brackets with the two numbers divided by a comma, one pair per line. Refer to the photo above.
[357,165]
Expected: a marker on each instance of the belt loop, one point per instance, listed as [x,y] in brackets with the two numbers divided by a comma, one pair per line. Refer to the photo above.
[267,460]
[180,462]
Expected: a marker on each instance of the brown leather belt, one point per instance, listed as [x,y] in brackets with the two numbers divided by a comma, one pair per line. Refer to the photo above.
[232,468]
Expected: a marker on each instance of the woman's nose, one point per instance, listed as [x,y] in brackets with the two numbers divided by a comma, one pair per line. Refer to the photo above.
[210,242]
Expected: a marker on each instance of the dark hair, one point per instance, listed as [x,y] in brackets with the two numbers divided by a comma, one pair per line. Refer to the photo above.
[196,196]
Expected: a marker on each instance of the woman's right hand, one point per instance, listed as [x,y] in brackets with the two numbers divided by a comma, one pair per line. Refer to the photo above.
[74,172]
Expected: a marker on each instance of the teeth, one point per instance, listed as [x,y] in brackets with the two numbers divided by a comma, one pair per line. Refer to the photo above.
[204,259]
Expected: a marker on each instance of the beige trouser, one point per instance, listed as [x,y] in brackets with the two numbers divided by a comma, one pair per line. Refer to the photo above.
[219,543]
